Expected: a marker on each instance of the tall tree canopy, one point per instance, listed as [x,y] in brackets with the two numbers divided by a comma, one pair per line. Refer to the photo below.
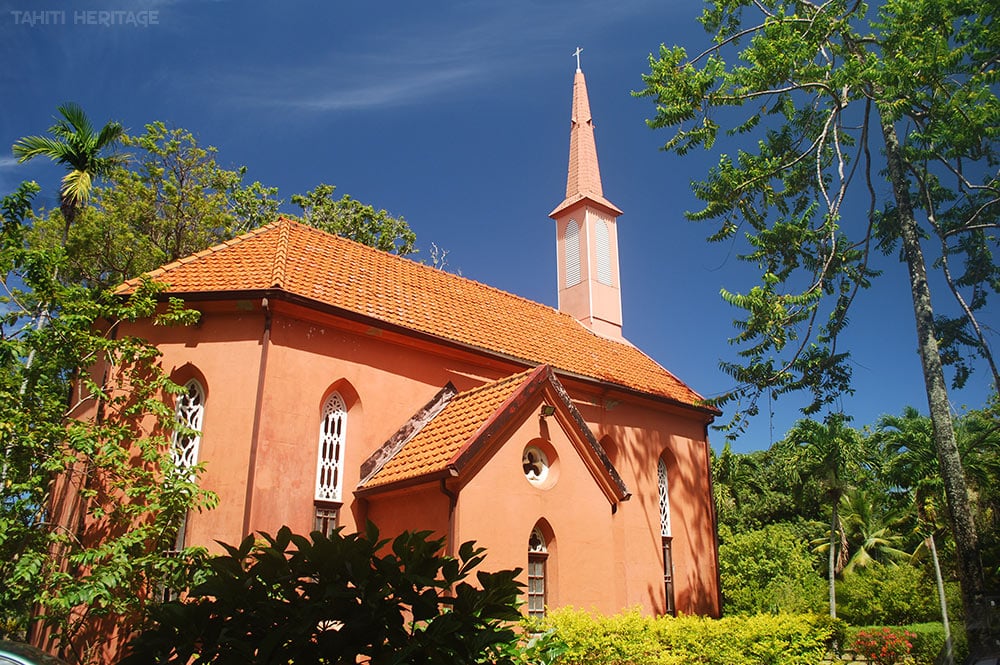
[174,198]
[83,151]
[91,413]
[898,101]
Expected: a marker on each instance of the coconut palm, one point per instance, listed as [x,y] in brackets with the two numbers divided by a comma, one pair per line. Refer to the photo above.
[871,529]
[913,466]
[835,454]
[75,144]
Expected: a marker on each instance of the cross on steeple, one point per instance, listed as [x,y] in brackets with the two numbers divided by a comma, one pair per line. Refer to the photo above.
[577,53]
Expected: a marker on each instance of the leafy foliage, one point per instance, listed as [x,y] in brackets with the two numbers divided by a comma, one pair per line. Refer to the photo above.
[355,220]
[90,498]
[813,93]
[335,599]
[892,596]
[173,200]
[76,145]
[632,639]
[769,570]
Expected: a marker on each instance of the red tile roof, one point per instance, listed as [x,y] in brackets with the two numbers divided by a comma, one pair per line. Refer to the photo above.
[465,424]
[289,257]
[442,438]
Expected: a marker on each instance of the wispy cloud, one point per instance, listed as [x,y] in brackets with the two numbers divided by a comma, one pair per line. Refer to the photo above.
[446,53]
[380,92]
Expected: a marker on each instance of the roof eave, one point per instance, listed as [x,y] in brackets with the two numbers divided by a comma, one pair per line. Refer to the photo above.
[287,296]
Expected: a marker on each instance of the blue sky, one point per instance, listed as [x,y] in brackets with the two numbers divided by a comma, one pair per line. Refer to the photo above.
[456,117]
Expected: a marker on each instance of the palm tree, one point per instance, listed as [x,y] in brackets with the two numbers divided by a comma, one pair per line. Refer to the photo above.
[870,528]
[913,466]
[834,454]
[75,144]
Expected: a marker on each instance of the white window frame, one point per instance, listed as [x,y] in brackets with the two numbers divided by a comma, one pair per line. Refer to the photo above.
[184,447]
[189,412]
[664,491]
[330,450]
[537,574]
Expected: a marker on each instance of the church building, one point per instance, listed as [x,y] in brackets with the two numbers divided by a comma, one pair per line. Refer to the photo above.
[333,383]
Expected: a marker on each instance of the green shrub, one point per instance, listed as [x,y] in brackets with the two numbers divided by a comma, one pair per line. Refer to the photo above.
[338,599]
[888,596]
[768,570]
[633,639]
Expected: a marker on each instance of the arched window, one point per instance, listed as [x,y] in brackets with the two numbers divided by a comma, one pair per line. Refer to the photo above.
[188,415]
[330,462]
[537,556]
[665,538]
[572,252]
[602,239]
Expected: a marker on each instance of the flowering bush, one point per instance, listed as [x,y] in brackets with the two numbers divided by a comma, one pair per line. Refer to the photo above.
[883,646]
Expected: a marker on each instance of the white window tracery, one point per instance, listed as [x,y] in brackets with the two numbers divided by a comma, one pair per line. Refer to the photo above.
[535,464]
[330,456]
[661,473]
[188,414]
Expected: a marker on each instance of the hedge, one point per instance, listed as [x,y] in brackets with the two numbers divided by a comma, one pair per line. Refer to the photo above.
[633,639]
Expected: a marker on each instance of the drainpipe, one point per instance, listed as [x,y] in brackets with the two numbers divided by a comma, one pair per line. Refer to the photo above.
[258,407]
[715,518]
[452,505]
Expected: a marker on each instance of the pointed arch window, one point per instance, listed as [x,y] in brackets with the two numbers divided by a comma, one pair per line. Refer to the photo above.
[602,239]
[537,558]
[330,456]
[188,414]
[665,537]
[572,253]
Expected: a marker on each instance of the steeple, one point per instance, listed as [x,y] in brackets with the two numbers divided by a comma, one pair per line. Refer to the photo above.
[586,229]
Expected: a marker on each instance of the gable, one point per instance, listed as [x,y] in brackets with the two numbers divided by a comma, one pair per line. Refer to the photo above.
[461,435]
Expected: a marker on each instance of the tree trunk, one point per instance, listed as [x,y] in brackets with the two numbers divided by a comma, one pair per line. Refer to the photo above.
[970,566]
[949,654]
[833,560]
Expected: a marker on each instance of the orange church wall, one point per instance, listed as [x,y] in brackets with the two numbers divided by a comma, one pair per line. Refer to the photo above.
[600,560]
[641,432]
[499,507]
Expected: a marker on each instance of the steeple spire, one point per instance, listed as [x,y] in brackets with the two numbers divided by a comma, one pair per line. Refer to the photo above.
[583,179]
[586,232]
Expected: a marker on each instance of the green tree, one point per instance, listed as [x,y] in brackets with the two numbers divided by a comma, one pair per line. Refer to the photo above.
[871,529]
[90,498]
[338,599]
[75,144]
[813,93]
[174,199]
[834,453]
[355,220]
[768,570]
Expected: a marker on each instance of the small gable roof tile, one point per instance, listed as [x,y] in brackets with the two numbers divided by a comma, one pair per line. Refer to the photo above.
[462,425]
[302,261]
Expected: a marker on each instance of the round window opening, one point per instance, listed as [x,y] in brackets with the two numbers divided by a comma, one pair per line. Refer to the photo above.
[535,463]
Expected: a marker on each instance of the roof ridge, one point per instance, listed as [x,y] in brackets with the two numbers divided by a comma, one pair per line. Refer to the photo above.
[281,253]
